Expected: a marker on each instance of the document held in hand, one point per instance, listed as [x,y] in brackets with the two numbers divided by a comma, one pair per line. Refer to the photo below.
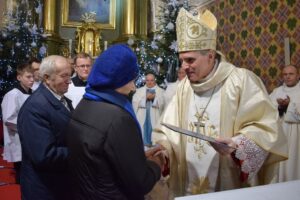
[194,134]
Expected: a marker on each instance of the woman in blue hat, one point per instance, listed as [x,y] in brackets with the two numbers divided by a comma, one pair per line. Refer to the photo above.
[106,155]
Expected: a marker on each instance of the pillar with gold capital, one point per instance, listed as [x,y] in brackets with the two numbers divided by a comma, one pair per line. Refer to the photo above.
[50,17]
[134,19]
[54,42]
[142,26]
[128,28]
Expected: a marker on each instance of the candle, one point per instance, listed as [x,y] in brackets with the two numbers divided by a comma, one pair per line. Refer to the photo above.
[90,47]
[105,45]
[70,47]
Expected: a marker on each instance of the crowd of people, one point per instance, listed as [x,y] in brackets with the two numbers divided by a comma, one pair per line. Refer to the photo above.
[93,135]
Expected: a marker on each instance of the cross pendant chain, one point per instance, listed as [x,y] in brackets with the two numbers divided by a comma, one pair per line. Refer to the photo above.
[200,117]
[199,122]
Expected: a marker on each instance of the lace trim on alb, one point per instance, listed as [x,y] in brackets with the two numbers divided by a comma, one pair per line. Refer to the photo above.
[251,154]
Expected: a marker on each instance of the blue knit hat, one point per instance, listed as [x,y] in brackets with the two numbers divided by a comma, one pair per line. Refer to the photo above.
[114,68]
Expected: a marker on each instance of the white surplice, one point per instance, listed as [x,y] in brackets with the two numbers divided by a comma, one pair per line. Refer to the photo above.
[11,104]
[35,85]
[75,94]
[290,169]
[170,91]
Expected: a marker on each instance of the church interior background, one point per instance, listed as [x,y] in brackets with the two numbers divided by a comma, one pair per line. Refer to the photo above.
[261,35]
[251,34]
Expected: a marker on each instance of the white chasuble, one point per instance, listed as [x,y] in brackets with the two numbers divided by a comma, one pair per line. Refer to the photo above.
[203,117]
[241,110]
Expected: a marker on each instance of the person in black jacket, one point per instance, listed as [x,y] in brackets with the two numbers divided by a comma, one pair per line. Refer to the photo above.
[106,153]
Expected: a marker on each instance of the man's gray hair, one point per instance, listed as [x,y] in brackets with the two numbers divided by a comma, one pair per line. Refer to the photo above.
[48,65]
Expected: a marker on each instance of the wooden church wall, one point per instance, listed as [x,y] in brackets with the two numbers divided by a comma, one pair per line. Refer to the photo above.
[251,35]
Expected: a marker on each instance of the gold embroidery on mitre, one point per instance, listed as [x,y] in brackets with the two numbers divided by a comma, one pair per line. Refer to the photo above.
[196,32]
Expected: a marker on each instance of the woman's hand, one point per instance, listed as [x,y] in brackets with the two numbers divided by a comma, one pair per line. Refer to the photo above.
[156,155]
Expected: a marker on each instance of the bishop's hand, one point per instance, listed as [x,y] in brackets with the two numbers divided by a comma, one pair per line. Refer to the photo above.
[229,147]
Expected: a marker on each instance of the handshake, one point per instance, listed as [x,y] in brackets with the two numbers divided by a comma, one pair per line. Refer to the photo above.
[157,154]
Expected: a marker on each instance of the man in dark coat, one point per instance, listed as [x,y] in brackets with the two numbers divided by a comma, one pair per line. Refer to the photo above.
[41,123]
[107,158]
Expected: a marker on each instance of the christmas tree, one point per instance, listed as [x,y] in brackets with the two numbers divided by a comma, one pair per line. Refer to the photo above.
[21,38]
[158,54]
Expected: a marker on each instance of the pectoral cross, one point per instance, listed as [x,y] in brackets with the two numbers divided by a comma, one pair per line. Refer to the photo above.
[199,122]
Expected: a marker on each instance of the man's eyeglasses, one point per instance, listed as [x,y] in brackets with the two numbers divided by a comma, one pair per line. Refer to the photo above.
[83,66]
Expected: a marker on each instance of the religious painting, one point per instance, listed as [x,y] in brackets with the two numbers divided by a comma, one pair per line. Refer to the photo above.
[73,10]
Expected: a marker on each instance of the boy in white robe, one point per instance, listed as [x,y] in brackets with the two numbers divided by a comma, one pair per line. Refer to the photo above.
[11,104]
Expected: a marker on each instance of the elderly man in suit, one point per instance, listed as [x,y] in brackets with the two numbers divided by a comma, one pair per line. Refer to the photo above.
[41,123]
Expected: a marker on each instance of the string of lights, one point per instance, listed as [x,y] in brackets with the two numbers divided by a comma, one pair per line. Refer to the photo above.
[21,37]
[158,54]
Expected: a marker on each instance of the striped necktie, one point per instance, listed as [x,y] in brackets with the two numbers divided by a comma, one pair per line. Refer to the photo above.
[64,102]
